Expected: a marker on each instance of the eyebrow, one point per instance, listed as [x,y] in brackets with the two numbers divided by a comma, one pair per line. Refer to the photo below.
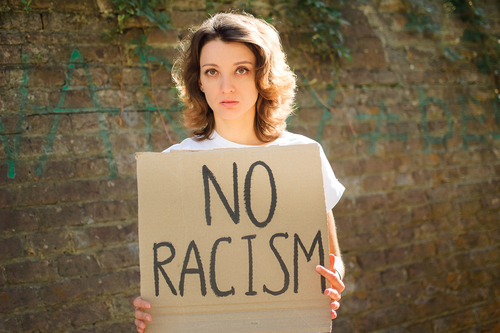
[236,63]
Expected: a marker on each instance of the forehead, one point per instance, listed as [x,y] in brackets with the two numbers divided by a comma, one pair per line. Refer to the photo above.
[223,53]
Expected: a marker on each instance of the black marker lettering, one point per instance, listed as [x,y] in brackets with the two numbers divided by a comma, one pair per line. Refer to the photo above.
[250,291]
[207,174]
[297,241]
[213,282]
[199,270]
[248,206]
[282,264]
[158,266]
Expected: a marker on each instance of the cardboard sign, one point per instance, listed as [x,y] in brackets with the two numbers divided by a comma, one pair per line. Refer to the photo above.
[229,240]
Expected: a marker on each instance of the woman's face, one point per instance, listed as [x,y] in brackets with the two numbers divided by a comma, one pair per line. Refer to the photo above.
[227,77]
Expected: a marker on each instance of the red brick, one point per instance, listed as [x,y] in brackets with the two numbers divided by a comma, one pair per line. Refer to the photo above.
[77,265]
[98,77]
[88,314]
[474,295]
[489,311]
[31,195]
[45,321]
[355,304]
[125,327]
[80,190]
[115,282]
[57,170]
[425,269]
[396,218]
[92,167]
[423,250]
[113,234]
[11,248]
[471,241]
[383,298]
[454,321]
[73,99]
[45,77]
[344,207]
[110,210]
[30,271]
[16,299]
[397,255]
[383,183]
[435,306]
[393,276]
[60,216]
[379,319]
[119,188]
[8,325]
[52,241]
[18,221]
[457,280]
[78,289]
[125,256]
[368,281]
[370,203]
[134,278]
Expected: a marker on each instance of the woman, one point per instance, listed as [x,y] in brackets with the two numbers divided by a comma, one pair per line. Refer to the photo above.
[238,91]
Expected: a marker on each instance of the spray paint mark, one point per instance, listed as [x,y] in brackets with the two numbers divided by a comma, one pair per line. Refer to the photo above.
[424,101]
[382,115]
[326,112]
[469,137]
[12,155]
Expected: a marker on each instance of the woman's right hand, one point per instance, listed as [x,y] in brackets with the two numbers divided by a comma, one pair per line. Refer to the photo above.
[140,316]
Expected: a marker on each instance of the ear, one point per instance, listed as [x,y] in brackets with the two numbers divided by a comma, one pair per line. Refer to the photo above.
[201,87]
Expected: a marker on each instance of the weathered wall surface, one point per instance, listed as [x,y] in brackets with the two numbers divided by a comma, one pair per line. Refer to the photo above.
[418,225]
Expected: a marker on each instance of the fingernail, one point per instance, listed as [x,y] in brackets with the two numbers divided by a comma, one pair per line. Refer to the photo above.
[327,292]
[318,268]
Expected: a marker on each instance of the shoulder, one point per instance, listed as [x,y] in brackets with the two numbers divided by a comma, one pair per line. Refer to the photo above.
[288,138]
[186,144]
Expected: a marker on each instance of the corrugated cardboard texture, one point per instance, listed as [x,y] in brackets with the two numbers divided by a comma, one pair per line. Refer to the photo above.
[213,264]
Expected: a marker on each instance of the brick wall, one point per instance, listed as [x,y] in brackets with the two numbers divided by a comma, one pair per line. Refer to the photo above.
[418,225]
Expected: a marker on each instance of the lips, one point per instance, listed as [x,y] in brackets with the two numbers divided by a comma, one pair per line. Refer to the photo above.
[229,103]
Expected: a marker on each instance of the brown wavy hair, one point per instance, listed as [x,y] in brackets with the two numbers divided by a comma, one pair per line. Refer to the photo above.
[274,80]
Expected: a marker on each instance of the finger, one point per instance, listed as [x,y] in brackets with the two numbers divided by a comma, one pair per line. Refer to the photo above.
[140,303]
[335,305]
[333,314]
[332,262]
[140,326]
[332,277]
[333,294]
[142,316]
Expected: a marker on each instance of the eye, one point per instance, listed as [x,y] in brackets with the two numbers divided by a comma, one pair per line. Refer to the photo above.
[211,72]
[241,70]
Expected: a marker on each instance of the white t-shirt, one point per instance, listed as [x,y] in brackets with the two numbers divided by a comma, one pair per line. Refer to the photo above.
[332,187]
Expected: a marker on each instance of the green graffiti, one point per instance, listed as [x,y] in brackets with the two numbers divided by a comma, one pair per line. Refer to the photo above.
[77,59]
[150,106]
[326,111]
[423,108]
[12,147]
[469,137]
[11,156]
[373,137]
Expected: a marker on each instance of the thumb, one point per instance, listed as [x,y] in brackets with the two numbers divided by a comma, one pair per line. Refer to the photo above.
[332,262]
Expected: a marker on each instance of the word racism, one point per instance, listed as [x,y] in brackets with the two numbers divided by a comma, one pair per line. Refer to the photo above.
[193,255]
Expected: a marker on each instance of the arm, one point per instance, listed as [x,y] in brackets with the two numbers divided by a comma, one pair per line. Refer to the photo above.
[336,264]
[334,244]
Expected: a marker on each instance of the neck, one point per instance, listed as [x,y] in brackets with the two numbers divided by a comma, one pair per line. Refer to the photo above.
[238,133]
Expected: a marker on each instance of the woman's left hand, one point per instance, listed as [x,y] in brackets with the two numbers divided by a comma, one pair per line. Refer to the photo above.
[337,286]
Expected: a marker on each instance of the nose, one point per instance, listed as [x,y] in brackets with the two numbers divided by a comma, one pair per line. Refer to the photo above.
[227,85]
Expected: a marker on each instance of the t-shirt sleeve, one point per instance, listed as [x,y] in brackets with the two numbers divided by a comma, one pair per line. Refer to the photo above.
[332,187]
